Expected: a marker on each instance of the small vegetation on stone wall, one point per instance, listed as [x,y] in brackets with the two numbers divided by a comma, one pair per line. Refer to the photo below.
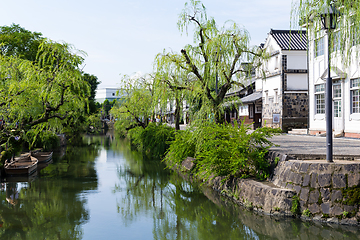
[295,207]
[307,213]
[345,214]
[351,195]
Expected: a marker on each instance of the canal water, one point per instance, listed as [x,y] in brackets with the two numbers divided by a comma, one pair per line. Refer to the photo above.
[106,191]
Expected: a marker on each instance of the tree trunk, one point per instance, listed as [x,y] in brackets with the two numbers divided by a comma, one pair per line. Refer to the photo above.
[177,114]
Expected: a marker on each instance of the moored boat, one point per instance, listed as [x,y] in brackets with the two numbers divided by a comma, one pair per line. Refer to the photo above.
[23,165]
[42,157]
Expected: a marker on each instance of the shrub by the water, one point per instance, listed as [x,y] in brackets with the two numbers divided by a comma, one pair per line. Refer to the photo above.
[153,141]
[156,139]
[224,150]
[182,147]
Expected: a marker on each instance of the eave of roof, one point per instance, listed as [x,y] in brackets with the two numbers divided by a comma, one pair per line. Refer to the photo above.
[290,39]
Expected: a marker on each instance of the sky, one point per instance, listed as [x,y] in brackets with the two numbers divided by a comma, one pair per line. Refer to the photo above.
[123,37]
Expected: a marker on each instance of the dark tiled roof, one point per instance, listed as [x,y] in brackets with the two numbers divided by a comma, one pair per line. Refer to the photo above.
[290,39]
[252,97]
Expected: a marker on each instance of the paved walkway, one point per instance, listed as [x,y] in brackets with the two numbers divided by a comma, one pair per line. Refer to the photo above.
[314,145]
[290,144]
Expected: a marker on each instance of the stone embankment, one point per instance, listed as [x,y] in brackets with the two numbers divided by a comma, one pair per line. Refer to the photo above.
[325,190]
[315,190]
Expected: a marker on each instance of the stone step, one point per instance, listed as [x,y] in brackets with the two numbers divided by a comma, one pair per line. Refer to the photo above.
[299,131]
[263,196]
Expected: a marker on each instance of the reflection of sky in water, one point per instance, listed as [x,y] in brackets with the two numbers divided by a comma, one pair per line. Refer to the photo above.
[105,222]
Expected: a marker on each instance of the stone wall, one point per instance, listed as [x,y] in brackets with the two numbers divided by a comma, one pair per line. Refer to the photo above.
[328,190]
[295,110]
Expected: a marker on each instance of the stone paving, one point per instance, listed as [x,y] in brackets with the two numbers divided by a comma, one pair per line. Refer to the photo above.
[314,145]
[307,145]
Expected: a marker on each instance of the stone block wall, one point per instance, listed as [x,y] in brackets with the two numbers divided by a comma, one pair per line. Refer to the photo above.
[295,110]
[325,189]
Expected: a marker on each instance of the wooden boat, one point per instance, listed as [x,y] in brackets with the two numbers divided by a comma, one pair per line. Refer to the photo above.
[42,157]
[23,165]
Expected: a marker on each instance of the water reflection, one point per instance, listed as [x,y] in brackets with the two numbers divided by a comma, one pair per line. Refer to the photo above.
[47,206]
[107,191]
[181,210]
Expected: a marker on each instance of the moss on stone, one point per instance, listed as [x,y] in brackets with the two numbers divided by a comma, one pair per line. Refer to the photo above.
[320,199]
[295,206]
[351,195]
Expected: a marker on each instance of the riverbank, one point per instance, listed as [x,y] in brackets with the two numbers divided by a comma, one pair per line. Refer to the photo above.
[313,190]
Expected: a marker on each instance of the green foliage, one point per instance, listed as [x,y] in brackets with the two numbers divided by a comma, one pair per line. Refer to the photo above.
[153,141]
[351,195]
[17,41]
[156,139]
[134,136]
[135,107]
[345,214]
[93,83]
[224,150]
[217,56]
[307,13]
[182,147]
[295,206]
[94,123]
[43,94]
[47,140]
[307,213]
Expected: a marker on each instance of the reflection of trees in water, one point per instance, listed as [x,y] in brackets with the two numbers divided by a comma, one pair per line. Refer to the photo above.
[50,206]
[180,210]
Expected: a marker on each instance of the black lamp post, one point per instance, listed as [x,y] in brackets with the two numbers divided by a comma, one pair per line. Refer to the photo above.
[328,19]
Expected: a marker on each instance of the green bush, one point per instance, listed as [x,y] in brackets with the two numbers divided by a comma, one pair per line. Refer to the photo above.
[153,141]
[182,147]
[156,139]
[231,151]
[134,136]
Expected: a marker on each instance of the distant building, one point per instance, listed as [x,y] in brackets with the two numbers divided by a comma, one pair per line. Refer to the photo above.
[106,93]
[285,88]
[280,99]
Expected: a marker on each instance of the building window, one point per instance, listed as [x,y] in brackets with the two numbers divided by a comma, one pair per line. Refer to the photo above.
[113,94]
[251,111]
[337,98]
[320,99]
[266,97]
[319,47]
[355,95]
[336,41]
[275,96]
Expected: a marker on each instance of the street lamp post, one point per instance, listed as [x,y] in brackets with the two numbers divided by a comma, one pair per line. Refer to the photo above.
[328,19]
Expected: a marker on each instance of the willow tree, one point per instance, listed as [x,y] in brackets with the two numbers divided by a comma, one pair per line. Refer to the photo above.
[41,96]
[216,58]
[135,106]
[170,83]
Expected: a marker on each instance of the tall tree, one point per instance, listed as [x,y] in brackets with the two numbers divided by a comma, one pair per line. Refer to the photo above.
[216,57]
[42,96]
[170,83]
[135,107]
[17,41]
[93,83]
